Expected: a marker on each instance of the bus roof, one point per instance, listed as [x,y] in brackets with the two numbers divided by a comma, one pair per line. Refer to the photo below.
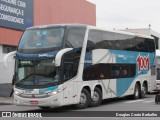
[121,32]
[90,27]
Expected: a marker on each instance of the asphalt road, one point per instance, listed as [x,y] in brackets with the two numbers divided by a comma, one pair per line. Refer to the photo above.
[115,105]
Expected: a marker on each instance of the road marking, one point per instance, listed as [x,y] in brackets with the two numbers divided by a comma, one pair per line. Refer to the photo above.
[149,101]
[133,101]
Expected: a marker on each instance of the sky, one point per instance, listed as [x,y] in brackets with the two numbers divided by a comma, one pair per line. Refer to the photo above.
[132,14]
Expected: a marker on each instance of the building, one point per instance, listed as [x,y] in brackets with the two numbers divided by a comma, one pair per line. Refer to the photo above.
[149,32]
[17,15]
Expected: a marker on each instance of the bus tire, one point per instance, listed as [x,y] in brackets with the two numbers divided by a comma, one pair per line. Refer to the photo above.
[84,99]
[44,107]
[137,91]
[97,98]
[157,99]
[143,90]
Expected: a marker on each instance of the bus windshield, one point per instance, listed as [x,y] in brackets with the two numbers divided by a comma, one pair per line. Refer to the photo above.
[40,40]
[36,73]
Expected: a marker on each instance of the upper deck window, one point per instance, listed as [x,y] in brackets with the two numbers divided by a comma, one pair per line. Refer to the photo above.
[75,37]
[35,40]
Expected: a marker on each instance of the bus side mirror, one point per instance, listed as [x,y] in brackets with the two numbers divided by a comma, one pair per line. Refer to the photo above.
[59,55]
[7,56]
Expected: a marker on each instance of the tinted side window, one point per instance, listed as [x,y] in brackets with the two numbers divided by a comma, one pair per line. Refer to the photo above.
[136,44]
[156,39]
[115,41]
[139,44]
[109,40]
[109,71]
[75,37]
[94,38]
[151,45]
[104,40]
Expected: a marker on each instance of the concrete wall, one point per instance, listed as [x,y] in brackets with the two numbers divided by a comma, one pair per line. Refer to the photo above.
[0,48]
[5,89]
[9,36]
[64,11]
[6,75]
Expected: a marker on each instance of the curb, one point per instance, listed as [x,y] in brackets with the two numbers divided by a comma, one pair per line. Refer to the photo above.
[5,103]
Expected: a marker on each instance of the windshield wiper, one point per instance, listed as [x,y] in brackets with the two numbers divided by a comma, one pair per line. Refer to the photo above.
[24,78]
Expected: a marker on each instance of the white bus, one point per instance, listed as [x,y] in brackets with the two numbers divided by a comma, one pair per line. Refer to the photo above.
[59,65]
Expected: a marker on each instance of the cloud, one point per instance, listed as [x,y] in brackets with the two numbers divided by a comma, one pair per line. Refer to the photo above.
[128,13]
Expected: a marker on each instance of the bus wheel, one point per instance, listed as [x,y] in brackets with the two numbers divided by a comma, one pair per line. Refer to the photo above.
[44,107]
[84,99]
[136,92]
[144,90]
[97,98]
[157,99]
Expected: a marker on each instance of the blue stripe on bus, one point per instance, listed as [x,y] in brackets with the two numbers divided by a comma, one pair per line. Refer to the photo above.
[41,90]
[47,90]
[36,56]
[23,88]
[88,59]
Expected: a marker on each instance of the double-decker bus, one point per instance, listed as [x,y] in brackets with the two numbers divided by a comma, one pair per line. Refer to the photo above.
[59,65]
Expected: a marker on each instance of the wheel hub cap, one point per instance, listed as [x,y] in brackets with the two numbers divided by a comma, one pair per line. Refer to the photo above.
[95,97]
[83,98]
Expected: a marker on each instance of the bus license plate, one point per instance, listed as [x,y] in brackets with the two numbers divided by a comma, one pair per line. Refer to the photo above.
[34,102]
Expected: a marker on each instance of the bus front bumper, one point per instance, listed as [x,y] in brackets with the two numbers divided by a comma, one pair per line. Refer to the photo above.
[52,101]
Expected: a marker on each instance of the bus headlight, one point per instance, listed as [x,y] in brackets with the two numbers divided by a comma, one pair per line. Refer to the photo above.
[17,93]
[54,92]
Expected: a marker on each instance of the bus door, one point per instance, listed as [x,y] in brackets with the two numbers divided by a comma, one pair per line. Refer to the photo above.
[68,84]
[70,62]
